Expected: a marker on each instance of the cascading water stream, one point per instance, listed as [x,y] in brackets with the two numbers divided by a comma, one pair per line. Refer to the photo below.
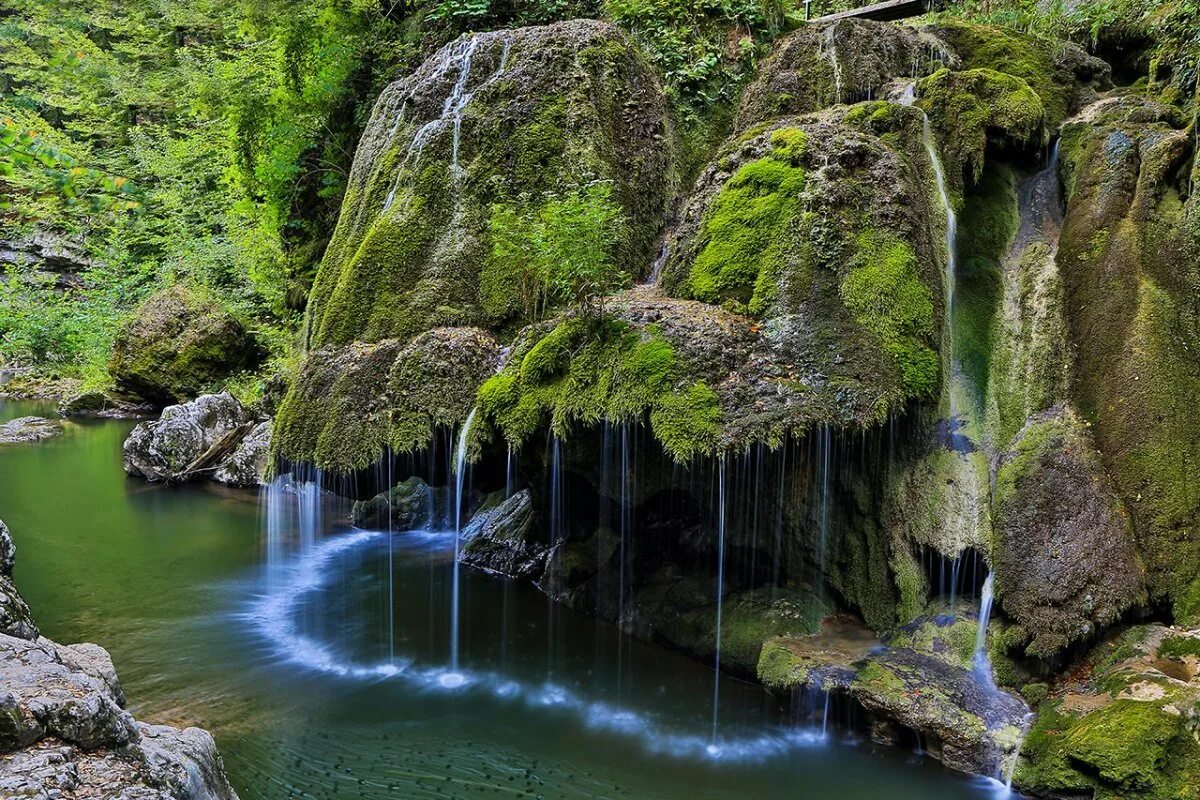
[720,599]
[460,471]
[983,666]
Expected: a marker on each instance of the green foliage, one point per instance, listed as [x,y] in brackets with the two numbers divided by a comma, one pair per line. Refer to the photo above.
[561,252]
[884,291]
[745,230]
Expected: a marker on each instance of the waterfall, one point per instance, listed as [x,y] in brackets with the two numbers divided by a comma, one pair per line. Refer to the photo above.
[983,667]
[664,252]
[720,595]
[826,464]
[457,55]
[460,471]
[951,274]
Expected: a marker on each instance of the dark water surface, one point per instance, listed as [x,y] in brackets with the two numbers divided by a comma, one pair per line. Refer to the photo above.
[294,675]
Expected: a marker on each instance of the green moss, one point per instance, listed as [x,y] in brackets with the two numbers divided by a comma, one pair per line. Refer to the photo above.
[968,109]
[688,423]
[884,291]
[584,371]
[744,233]
[879,680]
[1180,647]
[1024,460]
[779,668]
[1045,765]
[1126,742]
[953,643]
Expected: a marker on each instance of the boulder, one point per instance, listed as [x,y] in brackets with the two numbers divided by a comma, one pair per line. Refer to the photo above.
[24,430]
[504,540]
[923,680]
[179,343]
[187,438]
[247,466]
[1063,555]
[1123,723]
[409,505]
[844,61]
[500,115]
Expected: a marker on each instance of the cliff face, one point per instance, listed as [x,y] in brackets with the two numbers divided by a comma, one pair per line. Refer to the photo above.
[64,730]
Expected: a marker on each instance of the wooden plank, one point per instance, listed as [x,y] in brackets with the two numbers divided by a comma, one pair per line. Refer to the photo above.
[886,11]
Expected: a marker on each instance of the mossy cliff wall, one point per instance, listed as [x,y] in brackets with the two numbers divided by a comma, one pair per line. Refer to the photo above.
[1129,258]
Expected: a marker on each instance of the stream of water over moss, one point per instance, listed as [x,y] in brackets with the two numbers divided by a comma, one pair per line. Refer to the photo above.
[171,581]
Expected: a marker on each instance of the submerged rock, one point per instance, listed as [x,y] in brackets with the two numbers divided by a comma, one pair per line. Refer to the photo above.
[25,430]
[503,540]
[178,344]
[188,439]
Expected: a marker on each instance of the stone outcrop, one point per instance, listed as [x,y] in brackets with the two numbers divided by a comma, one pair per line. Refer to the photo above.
[845,61]
[25,430]
[408,505]
[503,540]
[212,436]
[923,680]
[102,405]
[64,731]
[1064,551]
[15,618]
[1125,723]
[178,344]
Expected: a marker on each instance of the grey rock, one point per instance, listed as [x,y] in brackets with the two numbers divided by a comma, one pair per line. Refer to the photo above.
[170,447]
[501,540]
[8,550]
[90,659]
[41,696]
[101,405]
[247,467]
[15,617]
[23,430]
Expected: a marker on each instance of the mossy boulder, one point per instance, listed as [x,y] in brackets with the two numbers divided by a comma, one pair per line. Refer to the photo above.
[179,343]
[504,540]
[502,116]
[1063,554]
[1129,257]
[844,61]
[1122,724]
[349,404]
[923,680]
[408,505]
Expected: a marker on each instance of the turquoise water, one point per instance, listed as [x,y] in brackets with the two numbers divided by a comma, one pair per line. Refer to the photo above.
[172,582]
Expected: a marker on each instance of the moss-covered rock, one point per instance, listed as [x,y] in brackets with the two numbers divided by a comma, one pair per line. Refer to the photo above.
[1063,554]
[1123,724]
[845,61]
[497,116]
[1128,257]
[178,344]
[350,403]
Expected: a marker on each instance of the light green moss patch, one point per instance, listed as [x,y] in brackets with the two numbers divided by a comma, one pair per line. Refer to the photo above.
[884,291]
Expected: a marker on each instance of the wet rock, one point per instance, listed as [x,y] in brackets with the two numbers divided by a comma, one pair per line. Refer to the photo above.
[247,466]
[503,540]
[187,438]
[409,505]
[178,344]
[1064,554]
[92,660]
[922,680]
[1123,723]
[24,430]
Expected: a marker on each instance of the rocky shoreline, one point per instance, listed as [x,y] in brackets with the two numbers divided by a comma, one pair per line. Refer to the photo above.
[64,731]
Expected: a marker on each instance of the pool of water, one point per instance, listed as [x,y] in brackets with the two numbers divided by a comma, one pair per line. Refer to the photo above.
[325,676]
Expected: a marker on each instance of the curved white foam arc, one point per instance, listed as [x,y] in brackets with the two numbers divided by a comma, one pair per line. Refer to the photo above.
[274,614]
